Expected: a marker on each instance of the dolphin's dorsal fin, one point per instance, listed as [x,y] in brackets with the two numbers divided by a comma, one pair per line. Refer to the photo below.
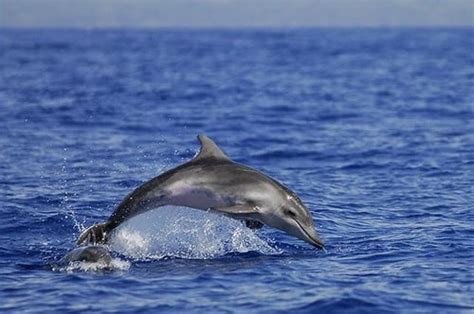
[209,149]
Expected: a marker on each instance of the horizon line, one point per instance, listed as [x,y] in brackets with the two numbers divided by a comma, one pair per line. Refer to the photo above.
[239,27]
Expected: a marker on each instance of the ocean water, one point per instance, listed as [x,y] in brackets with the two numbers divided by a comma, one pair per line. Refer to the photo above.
[373,128]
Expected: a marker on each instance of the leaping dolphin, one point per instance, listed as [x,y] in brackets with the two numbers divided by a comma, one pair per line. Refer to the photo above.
[212,181]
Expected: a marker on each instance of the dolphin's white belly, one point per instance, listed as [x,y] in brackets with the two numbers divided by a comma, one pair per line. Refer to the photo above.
[184,194]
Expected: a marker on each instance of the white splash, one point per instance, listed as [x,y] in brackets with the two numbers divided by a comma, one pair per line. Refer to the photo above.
[116,264]
[185,233]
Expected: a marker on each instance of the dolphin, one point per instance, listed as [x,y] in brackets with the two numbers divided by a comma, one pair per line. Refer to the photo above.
[88,254]
[211,181]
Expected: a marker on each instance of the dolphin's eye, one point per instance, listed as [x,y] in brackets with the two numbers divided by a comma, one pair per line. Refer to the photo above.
[291,213]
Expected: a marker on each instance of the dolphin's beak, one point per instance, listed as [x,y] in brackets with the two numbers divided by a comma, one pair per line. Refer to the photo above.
[310,236]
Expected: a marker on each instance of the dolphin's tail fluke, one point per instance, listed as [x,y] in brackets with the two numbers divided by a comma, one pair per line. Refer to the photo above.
[96,234]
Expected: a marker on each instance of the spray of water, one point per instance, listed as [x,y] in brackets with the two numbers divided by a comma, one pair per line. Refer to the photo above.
[185,233]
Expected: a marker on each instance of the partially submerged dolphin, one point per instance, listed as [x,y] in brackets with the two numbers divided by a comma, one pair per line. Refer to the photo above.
[212,181]
[88,254]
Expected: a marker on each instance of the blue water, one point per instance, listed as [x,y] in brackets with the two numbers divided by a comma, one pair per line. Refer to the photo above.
[373,128]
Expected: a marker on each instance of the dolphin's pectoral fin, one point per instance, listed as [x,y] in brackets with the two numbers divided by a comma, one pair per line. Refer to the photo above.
[253,224]
[242,212]
[237,210]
